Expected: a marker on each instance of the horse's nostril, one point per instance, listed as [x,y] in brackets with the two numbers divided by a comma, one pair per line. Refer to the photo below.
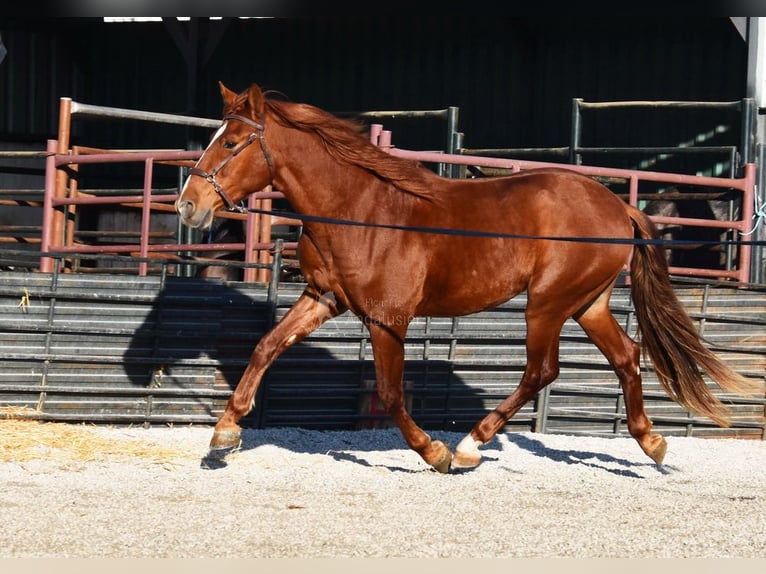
[185,208]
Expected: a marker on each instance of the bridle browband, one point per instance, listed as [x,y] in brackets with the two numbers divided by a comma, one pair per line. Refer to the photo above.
[255,135]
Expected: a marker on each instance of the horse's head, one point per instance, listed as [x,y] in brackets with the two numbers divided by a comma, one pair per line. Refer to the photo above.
[235,163]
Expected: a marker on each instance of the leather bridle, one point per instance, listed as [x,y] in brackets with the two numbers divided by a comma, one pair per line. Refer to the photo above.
[255,135]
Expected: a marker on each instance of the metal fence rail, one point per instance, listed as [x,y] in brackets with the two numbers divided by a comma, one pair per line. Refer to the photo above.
[63,197]
[259,224]
[746,108]
[163,349]
[632,178]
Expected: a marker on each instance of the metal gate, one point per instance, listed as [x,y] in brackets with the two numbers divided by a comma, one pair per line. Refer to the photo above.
[168,350]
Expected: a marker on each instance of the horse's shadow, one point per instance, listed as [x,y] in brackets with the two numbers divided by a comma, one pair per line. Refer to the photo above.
[341,447]
[199,333]
[202,331]
[598,460]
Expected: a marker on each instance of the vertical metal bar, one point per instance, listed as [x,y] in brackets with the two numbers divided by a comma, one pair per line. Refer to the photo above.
[58,222]
[748,112]
[273,290]
[264,236]
[375,130]
[70,221]
[633,191]
[453,113]
[155,379]
[183,233]
[65,123]
[252,224]
[703,309]
[459,171]
[574,144]
[759,256]
[46,263]
[453,338]
[541,413]
[427,338]
[728,234]
[748,209]
[146,214]
[690,424]
[451,377]
[453,144]
[48,340]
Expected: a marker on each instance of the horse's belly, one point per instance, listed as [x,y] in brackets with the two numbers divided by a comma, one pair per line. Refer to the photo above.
[469,294]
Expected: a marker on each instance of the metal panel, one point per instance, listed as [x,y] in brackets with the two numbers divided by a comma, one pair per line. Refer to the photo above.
[117,349]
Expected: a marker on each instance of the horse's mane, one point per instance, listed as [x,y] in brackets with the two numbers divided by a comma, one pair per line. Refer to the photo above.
[345,141]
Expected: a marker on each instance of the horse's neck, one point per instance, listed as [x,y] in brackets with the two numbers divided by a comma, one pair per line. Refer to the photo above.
[315,183]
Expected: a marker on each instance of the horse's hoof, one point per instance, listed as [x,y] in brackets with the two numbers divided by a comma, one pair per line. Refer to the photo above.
[658,452]
[443,464]
[461,461]
[214,460]
[226,440]
[467,453]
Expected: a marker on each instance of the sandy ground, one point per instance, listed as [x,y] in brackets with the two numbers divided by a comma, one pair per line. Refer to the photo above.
[292,493]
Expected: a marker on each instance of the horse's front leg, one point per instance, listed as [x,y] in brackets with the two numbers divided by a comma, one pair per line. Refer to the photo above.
[388,353]
[308,313]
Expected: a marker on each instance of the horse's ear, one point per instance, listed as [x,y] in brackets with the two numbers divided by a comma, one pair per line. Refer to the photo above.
[255,99]
[227,95]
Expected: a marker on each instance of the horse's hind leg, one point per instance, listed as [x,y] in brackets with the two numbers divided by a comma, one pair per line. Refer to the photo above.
[388,353]
[624,355]
[308,313]
[543,330]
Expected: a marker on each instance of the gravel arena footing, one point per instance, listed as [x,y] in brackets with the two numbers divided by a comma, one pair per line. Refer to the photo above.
[294,493]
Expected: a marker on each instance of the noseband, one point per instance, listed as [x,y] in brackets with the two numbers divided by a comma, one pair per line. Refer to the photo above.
[255,135]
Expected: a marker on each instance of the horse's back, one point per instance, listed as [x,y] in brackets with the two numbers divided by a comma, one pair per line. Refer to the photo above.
[546,202]
[547,228]
[563,197]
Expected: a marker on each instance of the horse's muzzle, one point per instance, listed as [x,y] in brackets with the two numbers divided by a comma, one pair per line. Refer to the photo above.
[193,217]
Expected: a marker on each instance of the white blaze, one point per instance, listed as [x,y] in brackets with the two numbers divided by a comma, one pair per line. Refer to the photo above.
[217,134]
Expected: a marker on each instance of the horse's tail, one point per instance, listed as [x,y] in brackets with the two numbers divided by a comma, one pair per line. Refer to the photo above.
[669,337]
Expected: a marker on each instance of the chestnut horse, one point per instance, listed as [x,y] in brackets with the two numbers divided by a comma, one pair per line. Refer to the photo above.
[387,267]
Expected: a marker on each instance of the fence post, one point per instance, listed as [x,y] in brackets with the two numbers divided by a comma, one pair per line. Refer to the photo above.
[46,238]
[541,414]
[273,292]
[458,171]
[264,236]
[146,214]
[453,143]
[574,145]
[759,255]
[748,210]
[252,227]
[748,111]
[59,221]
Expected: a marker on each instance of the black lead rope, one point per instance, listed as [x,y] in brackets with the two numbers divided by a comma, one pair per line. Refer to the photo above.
[495,235]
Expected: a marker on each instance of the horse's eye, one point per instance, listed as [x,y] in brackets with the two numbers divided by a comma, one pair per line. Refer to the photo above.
[229,145]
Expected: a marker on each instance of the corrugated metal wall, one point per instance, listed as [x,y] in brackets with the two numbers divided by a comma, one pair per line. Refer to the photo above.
[151,350]
[512,78]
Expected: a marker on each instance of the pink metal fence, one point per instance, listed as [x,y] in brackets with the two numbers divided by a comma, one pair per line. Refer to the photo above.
[57,236]
[60,199]
[62,196]
[745,185]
